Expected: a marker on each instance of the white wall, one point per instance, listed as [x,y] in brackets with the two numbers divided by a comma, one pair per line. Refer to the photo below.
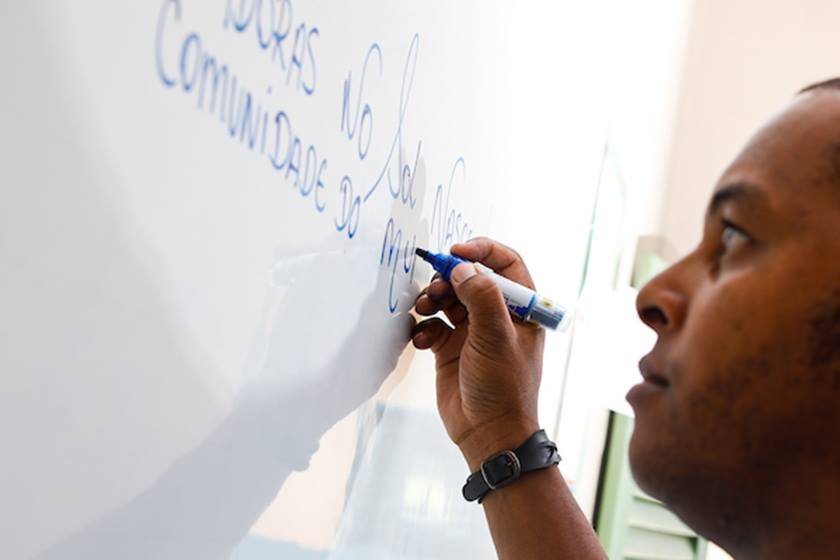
[646,54]
[745,61]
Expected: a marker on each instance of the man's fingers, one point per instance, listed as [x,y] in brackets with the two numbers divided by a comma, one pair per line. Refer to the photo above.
[470,292]
[431,333]
[489,317]
[426,306]
[437,290]
[437,296]
[500,258]
[440,289]
[456,312]
[451,307]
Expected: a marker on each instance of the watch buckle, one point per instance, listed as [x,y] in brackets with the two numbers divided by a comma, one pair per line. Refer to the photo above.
[513,462]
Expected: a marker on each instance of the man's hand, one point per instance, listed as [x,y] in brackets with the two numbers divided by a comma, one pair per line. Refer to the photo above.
[489,366]
[488,376]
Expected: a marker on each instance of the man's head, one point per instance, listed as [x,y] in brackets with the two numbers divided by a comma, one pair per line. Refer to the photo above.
[740,417]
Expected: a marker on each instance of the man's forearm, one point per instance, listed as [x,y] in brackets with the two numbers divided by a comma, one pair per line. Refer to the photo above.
[537,518]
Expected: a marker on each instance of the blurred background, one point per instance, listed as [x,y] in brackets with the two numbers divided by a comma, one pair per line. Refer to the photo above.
[693,80]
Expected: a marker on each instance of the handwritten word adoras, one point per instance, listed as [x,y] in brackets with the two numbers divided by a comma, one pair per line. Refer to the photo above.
[271,22]
[198,72]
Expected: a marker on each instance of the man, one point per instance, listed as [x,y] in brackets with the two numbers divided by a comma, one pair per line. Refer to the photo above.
[738,416]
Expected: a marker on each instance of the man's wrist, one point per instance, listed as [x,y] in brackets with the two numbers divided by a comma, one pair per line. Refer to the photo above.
[493,437]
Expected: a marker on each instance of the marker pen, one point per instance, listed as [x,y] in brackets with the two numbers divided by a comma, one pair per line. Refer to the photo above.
[521,301]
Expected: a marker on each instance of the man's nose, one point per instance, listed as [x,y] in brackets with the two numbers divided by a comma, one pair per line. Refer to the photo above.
[663,302]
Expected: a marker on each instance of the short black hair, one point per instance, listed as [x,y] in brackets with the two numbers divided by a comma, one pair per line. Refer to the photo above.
[829,84]
[832,83]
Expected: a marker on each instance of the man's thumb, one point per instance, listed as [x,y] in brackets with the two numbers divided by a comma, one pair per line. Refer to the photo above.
[480,295]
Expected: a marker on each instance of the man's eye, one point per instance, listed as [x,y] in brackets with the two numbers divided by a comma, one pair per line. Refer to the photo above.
[732,238]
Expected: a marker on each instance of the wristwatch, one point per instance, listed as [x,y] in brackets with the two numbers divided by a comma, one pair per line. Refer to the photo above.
[505,467]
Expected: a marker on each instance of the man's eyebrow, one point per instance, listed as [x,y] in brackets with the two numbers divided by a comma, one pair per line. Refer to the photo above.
[741,190]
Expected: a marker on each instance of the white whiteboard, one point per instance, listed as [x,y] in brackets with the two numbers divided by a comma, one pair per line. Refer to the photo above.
[207,216]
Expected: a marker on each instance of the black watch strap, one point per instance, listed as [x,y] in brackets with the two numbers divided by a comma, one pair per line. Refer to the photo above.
[538,452]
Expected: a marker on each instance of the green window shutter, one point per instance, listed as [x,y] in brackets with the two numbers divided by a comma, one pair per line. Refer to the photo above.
[630,524]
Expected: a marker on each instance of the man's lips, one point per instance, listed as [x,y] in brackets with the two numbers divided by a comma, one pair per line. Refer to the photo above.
[653,384]
[651,374]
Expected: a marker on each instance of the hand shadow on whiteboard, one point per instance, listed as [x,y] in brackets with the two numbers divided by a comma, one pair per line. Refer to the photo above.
[310,378]
[80,285]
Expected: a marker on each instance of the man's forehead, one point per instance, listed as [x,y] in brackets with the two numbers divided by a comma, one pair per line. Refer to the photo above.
[802,139]
[798,149]
[742,192]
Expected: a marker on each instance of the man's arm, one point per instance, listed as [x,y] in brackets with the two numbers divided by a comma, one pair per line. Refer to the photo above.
[535,517]
[488,375]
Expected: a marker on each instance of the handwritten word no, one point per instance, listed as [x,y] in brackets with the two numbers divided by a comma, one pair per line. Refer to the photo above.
[359,122]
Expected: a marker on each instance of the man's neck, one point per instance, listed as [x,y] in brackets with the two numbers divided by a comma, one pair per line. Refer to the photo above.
[800,518]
